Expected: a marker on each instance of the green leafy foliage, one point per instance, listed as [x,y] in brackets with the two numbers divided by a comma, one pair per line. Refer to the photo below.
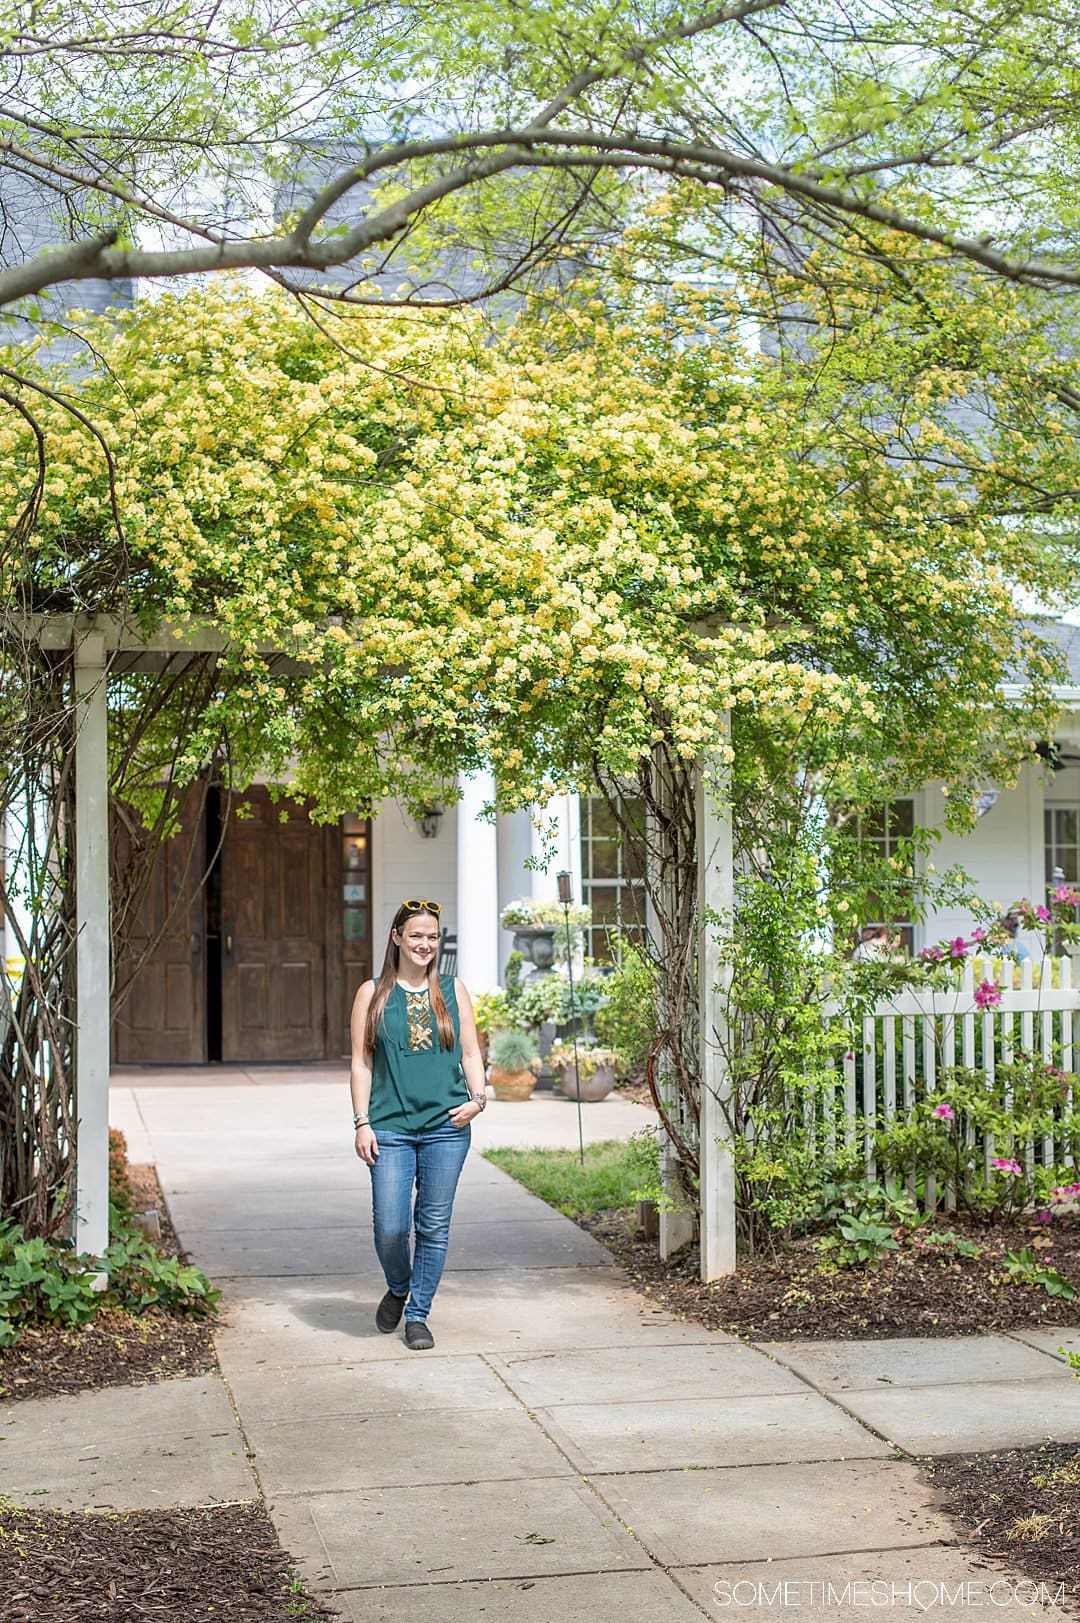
[858,1241]
[46,1282]
[140,1277]
[1023,1267]
[628,1019]
[513,1050]
[1028,1101]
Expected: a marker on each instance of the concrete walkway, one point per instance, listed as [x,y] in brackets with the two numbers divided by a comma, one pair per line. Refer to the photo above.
[567,1451]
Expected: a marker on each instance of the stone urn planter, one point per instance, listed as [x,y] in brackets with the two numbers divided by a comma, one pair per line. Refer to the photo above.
[596,1067]
[593,1087]
[536,944]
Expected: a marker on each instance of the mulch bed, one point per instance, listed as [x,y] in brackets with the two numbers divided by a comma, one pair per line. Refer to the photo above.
[1020,1506]
[911,1293]
[221,1564]
[115,1349]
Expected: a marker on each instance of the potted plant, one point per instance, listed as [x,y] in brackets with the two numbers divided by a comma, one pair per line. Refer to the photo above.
[515,1064]
[493,1013]
[595,1069]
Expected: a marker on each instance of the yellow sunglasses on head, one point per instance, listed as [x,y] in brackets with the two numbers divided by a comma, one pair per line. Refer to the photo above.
[414,906]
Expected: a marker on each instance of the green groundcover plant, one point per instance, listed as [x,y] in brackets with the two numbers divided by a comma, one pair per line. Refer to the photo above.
[48,1282]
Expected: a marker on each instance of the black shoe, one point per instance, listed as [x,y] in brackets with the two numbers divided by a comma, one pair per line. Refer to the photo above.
[389,1311]
[418,1336]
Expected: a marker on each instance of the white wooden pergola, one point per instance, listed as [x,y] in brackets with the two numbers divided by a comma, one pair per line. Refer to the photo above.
[103,645]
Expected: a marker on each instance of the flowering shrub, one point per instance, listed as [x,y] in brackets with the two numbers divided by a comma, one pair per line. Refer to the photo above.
[493,1011]
[944,1137]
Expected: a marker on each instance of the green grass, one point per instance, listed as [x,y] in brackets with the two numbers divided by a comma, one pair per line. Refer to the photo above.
[613,1174]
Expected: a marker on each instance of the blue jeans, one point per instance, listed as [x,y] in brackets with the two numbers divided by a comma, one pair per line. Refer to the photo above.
[431,1162]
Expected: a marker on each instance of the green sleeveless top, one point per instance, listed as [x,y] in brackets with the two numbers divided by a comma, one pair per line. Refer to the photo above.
[414,1082]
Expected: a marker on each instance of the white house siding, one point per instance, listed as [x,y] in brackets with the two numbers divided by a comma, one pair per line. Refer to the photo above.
[1003,853]
[404,864]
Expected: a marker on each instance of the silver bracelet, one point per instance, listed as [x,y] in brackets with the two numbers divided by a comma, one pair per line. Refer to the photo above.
[361,1121]
[478,1099]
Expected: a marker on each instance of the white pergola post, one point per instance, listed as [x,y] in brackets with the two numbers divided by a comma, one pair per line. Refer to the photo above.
[676,1222]
[91,949]
[477,885]
[716,895]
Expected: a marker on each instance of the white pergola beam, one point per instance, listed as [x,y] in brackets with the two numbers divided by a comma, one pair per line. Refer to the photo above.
[91,948]
[716,900]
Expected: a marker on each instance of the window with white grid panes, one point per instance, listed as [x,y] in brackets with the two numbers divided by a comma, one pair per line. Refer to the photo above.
[1062,828]
[1062,854]
[612,877]
[885,829]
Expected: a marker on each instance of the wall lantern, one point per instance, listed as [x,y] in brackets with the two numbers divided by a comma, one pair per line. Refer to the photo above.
[428,820]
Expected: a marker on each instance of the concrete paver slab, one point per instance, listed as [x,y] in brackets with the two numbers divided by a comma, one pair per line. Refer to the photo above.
[715,1369]
[369,1388]
[770,1512]
[250,1181]
[934,1581]
[837,1366]
[298,1209]
[1054,1342]
[346,1452]
[276,1253]
[191,1403]
[516,1243]
[549,1121]
[706,1431]
[960,1419]
[129,1448]
[580,1597]
[475,1531]
[327,1320]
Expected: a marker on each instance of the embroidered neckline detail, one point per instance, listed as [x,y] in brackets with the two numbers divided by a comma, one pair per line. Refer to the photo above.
[418,1015]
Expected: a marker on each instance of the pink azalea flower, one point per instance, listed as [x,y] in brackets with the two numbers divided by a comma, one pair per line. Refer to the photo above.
[958,947]
[930,955]
[1066,895]
[1042,914]
[943,1112]
[1043,1217]
[987,995]
[979,933]
[1002,1164]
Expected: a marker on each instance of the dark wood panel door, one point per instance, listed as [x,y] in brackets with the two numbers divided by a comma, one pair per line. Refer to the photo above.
[273,926]
[160,998]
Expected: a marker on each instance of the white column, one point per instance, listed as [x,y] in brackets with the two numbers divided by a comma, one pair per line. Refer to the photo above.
[92,949]
[477,885]
[716,895]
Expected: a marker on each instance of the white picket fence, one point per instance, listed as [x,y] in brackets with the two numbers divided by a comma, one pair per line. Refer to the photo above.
[908,1041]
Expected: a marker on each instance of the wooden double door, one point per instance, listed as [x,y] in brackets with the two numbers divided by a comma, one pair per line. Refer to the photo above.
[246,912]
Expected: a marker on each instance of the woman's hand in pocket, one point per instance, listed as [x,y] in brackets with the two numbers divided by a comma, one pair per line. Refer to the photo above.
[366,1146]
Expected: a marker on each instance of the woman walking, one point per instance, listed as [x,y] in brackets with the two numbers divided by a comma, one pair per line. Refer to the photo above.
[417,1083]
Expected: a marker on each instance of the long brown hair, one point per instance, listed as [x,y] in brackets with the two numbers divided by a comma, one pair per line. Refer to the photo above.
[388,980]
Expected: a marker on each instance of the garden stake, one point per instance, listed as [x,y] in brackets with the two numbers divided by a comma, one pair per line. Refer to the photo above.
[566,896]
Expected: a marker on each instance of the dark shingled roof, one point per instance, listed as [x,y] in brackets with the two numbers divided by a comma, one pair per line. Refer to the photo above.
[1067,638]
